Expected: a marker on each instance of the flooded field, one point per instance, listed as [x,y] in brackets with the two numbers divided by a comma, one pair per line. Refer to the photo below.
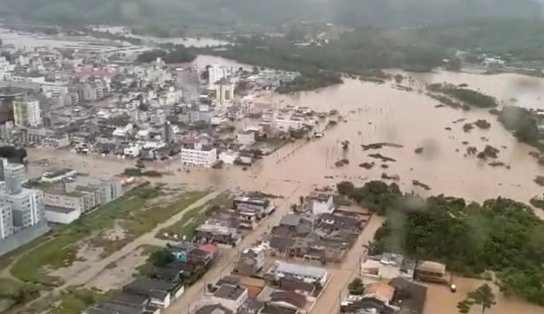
[378,113]
[440,297]
[186,41]
[508,88]
[30,40]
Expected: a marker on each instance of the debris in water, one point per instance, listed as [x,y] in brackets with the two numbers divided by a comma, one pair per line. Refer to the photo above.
[367,165]
[488,152]
[381,157]
[421,184]
[380,145]
[394,177]
[482,124]
[467,127]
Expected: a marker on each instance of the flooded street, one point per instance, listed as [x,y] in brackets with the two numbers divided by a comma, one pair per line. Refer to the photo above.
[373,113]
[378,113]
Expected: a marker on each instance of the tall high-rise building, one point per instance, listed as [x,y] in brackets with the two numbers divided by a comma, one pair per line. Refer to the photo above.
[14,176]
[27,207]
[22,211]
[26,112]
[216,73]
[6,221]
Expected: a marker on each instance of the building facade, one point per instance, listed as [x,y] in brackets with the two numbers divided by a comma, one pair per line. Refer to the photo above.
[27,207]
[6,221]
[14,176]
[26,112]
[217,73]
[198,155]
[63,199]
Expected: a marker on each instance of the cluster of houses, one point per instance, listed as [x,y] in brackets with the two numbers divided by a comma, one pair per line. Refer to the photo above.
[317,231]
[261,288]
[155,292]
[391,285]
[54,98]
[227,226]
[188,261]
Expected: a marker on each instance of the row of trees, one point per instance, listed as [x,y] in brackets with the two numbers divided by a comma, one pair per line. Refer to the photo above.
[310,81]
[499,235]
[13,154]
[521,122]
[358,53]
[176,54]
[464,95]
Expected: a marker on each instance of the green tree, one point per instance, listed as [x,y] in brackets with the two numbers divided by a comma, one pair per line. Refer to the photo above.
[483,296]
[464,306]
[356,287]
[345,188]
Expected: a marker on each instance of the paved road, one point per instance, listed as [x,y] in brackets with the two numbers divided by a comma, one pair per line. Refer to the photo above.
[329,301]
[226,261]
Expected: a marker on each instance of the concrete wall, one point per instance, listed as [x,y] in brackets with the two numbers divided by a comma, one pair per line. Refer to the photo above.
[62,217]
[23,237]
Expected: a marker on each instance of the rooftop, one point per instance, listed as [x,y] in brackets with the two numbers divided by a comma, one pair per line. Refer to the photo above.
[302,270]
[231,292]
[430,266]
[213,309]
[57,173]
[58,209]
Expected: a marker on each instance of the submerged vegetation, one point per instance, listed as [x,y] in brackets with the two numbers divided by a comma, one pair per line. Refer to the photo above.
[465,96]
[310,81]
[522,124]
[173,54]
[499,235]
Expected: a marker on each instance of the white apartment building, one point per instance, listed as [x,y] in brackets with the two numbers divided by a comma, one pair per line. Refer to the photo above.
[70,200]
[6,221]
[245,137]
[216,73]
[26,112]
[5,69]
[14,176]
[284,123]
[198,155]
[27,207]
[224,91]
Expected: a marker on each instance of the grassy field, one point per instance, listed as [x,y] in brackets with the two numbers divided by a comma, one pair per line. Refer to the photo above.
[194,217]
[147,267]
[77,299]
[72,300]
[143,220]
[130,211]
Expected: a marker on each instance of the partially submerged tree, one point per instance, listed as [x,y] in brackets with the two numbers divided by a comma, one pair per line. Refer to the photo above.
[483,296]
[356,287]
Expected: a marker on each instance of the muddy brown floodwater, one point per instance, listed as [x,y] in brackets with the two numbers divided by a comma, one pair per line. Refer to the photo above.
[379,113]
[441,301]
[382,114]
